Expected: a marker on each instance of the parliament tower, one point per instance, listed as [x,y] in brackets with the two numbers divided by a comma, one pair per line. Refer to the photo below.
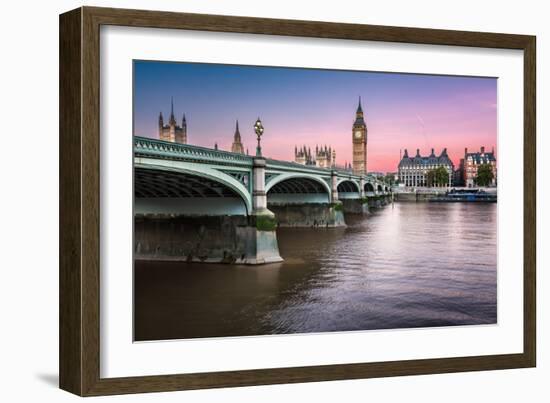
[359,138]
[237,146]
[172,131]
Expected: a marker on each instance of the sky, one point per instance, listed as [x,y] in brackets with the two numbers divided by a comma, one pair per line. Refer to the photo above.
[317,107]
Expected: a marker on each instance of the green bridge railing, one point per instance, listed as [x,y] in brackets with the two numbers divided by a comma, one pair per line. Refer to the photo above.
[146,147]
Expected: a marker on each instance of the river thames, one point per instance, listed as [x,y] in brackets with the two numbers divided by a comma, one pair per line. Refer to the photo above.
[405,265]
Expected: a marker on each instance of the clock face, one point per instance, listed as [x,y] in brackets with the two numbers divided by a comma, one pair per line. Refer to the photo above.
[358,134]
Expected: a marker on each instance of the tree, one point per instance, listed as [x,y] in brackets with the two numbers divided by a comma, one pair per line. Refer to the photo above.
[389,179]
[437,177]
[484,175]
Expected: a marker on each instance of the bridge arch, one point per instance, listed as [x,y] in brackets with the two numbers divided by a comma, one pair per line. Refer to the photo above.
[188,182]
[348,189]
[379,187]
[348,186]
[369,187]
[297,187]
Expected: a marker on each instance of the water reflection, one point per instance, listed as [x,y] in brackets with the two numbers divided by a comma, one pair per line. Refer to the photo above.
[410,265]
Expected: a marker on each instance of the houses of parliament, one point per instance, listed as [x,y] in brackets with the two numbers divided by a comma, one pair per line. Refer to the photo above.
[178,134]
[172,132]
[324,157]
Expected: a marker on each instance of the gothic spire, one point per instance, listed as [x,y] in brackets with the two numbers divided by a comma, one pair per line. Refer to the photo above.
[237,135]
[237,146]
[359,119]
[172,118]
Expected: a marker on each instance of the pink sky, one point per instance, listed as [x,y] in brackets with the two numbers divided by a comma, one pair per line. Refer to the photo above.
[310,107]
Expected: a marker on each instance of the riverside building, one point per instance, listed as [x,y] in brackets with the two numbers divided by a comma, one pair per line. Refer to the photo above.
[472,161]
[413,171]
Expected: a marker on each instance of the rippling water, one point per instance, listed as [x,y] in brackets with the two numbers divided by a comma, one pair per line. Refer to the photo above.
[410,265]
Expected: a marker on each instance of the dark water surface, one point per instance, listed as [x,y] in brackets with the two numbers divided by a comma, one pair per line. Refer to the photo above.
[410,265]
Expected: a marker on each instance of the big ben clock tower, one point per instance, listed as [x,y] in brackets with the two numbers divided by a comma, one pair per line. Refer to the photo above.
[359,136]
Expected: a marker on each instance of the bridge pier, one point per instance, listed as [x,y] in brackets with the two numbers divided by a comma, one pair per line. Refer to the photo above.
[259,196]
[377,200]
[261,240]
[207,239]
[355,206]
[262,232]
[334,187]
[309,215]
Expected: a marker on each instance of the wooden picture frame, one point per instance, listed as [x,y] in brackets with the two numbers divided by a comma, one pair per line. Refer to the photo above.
[79,201]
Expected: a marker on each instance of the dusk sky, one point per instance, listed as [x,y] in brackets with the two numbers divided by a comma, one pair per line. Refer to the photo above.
[310,107]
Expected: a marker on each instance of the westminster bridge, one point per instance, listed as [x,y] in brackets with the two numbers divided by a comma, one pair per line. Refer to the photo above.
[200,204]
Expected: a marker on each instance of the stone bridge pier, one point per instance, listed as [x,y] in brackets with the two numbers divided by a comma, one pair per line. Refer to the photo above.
[262,224]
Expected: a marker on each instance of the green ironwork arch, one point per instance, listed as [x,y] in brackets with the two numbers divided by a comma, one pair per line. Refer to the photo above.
[203,172]
[288,176]
[355,183]
[372,187]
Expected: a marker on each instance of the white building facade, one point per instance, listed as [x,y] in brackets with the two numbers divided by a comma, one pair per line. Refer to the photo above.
[413,171]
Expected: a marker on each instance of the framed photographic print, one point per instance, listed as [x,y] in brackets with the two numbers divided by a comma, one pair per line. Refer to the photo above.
[249,201]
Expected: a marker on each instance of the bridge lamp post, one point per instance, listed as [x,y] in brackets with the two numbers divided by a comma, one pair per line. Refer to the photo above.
[259,129]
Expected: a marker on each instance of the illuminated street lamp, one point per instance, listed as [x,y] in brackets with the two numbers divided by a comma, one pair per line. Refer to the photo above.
[259,129]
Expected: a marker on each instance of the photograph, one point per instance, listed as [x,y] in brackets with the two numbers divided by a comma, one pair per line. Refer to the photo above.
[276,200]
